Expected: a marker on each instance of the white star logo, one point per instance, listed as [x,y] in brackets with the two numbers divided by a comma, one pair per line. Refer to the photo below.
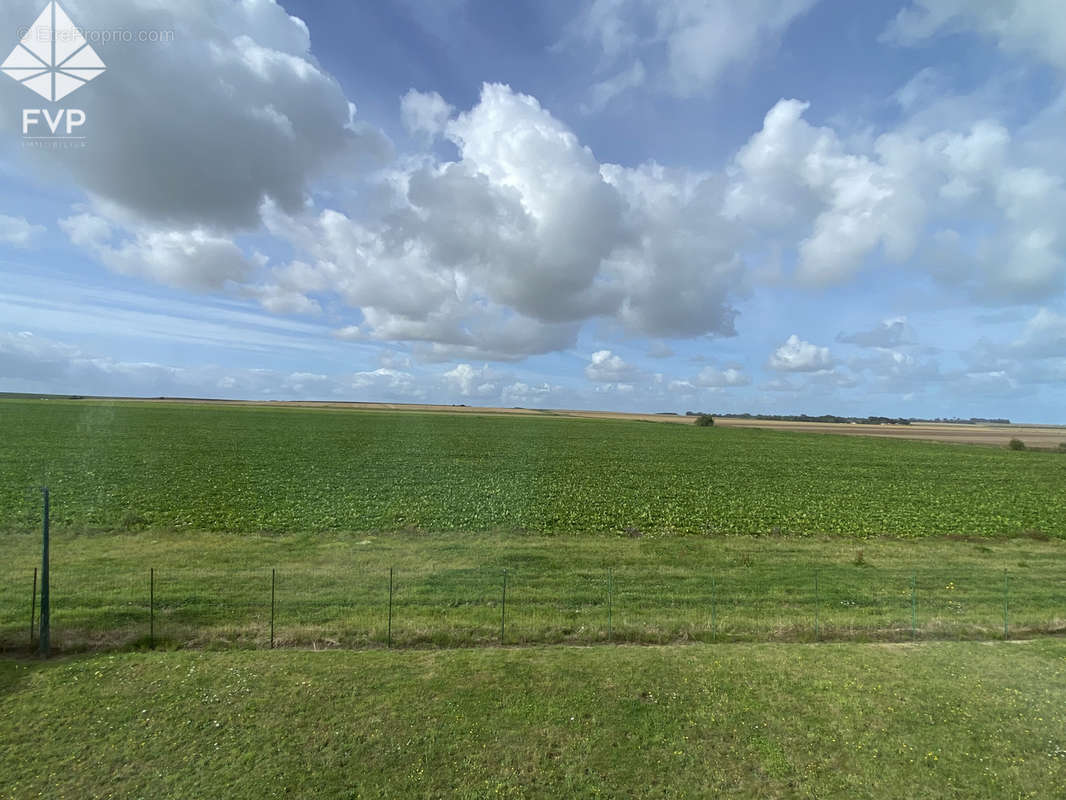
[53,58]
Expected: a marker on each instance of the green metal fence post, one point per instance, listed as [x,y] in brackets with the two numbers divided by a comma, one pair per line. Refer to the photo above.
[273,579]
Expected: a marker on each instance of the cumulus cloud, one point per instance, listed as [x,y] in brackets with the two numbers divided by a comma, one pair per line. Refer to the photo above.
[1021,257]
[189,259]
[469,381]
[796,355]
[505,252]
[606,367]
[508,249]
[189,137]
[888,333]
[846,203]
[195,132]
[803,180]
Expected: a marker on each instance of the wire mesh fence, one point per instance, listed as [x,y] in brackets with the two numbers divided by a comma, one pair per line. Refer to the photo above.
[341,606]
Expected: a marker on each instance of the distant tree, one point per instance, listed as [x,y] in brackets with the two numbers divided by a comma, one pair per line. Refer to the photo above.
[1016,444]
[705,421]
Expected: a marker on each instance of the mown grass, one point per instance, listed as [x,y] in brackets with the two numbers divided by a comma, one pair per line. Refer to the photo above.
[332,590]
[828,721]
[143,466]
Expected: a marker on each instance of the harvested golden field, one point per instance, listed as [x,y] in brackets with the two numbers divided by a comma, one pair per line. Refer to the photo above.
[1042,436]
[1033,435]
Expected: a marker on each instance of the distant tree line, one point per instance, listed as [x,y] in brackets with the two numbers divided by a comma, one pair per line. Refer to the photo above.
[858,420]
[970,421]
[808,418]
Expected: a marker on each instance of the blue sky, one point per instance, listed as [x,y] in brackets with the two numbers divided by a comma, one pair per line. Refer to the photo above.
[778,206]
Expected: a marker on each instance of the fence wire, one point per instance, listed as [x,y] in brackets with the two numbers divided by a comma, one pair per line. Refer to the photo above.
[347,605]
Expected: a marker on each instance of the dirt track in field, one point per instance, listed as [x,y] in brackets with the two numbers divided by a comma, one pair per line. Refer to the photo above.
[1043,436]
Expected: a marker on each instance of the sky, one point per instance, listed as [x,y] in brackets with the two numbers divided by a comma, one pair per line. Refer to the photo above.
[776,206]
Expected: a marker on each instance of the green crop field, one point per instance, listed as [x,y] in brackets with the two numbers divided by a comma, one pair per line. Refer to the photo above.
[132,466]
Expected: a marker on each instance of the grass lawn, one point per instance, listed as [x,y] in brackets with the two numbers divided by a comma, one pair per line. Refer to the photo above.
[932,720]
[332,590]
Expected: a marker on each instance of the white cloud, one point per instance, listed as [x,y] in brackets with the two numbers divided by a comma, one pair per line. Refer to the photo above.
[895,372]
[524,394]
[603,92]
[1036,27]
[194,133]
[17,232]
[279,299]
[189,259]
[394,359]
[718,379]
[1021,255]
[796,355]
[888,333]
[386,383]
[25,357]
[606,367]
[1044,336]
[988,384]
[424,112]
[846,203]
[687,44]
[469,381]
[614,388]
[794,175]
[32,363]
[247,117]
[507,251]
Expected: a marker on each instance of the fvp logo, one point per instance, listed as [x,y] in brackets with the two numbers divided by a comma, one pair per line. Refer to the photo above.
[53,58]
